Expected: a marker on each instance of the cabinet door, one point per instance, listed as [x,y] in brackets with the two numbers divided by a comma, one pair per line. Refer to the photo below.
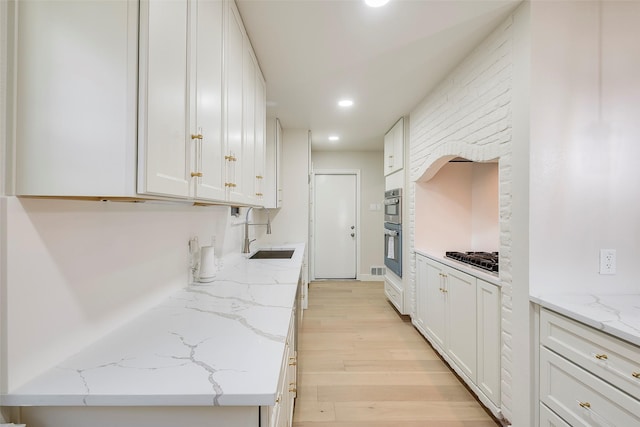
[76,86]
[435,300]
[460,290]
[234,68]
[208,100]
[388,152]
[398,145]
[488,332]
[260,137]
[421,292]
[247,182]
[273,181]
[164,126]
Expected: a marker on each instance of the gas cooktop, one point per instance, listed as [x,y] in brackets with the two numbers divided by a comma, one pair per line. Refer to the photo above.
[485,260]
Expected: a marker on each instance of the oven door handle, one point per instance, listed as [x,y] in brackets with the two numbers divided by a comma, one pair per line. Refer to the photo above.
[390,233]
[391,201]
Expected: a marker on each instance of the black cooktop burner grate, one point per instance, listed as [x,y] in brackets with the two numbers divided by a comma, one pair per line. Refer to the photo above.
[484,260]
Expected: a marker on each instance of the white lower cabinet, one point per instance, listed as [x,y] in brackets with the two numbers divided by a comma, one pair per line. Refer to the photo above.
[394,293]
[549,419]
[460,315]
[587,377]
[281,414]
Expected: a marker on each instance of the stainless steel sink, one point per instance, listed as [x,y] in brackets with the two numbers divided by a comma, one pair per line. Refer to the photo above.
[273,254]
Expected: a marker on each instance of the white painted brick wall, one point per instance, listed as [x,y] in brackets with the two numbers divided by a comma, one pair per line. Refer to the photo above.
[469,115]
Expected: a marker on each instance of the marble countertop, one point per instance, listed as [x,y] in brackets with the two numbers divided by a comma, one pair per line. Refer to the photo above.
[218,343]
[617,315]
[465,268]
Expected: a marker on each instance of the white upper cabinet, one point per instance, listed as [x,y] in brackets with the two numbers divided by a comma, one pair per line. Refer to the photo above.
[273,179]
[260,138]
[233,130]
[166,101]
[76,98]
[180,125]
[138,99]
[210,150]
[394,148]
[246,115]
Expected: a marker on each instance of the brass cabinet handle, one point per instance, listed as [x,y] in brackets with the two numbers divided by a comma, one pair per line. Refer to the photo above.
[602,356]
[259,194]
[196,174]
[292,388]
[198,136]
[259,176]
[292,361]
[229,184]
[585,404]
[230,158]
[636,375]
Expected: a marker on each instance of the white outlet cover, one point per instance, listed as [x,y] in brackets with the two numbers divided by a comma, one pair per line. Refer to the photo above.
[607,261]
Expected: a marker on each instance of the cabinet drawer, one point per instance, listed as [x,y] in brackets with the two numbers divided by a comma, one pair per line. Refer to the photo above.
[608,357]
[393,294]
[549,419]
[582,399]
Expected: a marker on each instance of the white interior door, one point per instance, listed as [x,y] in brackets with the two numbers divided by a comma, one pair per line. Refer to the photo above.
[335,204]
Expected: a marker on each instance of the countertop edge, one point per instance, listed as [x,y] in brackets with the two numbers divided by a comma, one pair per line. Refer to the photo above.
[555,303]
[475,272]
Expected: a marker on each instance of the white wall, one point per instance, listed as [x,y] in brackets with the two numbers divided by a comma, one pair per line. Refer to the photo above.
[585,128]
[75,270]
[372,187]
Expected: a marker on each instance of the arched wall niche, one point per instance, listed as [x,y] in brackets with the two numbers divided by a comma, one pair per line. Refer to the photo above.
[457,205]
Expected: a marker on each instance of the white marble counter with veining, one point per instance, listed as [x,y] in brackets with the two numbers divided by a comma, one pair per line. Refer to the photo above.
[615,314]
[219,343]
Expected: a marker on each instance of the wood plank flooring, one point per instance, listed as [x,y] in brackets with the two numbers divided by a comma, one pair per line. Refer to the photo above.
[362,364]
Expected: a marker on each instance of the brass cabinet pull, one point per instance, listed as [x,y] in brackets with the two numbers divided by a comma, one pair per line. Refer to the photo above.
[585,404]
[292,361]
[259,194]
[230,158]
[259,176]
[636,375]
[196,174]
[229,184]
[602,356]
[198,136]
[292,388]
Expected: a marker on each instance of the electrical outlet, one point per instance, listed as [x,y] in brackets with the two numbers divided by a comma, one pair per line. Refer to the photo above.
[607,261]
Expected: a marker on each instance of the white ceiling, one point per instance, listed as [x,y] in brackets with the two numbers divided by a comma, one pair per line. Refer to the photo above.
[314,52]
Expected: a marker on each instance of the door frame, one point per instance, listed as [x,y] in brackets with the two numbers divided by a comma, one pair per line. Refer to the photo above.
[312,215]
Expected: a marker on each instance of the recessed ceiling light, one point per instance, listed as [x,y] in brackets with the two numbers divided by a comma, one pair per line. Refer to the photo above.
[376,3]
[334,138]
[345,103]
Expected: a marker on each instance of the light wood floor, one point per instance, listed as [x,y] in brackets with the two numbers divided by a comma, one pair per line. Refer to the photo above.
[362,364]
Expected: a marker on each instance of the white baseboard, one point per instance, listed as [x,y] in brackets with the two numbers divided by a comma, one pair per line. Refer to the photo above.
[370,278]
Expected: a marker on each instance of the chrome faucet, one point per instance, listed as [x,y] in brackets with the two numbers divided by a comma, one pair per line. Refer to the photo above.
[247,242]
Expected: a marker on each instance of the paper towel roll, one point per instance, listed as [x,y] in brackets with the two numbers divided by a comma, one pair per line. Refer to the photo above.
[207,264]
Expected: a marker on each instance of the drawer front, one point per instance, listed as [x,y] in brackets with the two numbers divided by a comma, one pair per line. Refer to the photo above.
[611,359]
[394,296]
[549,419]
[582,399]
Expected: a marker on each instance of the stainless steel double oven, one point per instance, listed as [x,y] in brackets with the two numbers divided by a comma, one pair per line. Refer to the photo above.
[393,230]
